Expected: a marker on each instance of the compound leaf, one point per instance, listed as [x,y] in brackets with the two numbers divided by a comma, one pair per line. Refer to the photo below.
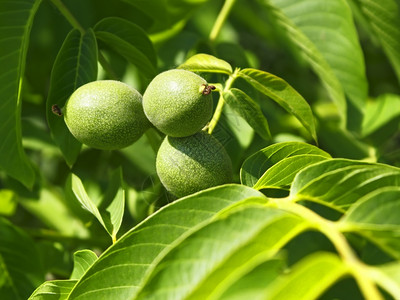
[206,63]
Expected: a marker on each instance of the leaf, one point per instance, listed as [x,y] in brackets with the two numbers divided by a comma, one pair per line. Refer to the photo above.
[249,110]
[281,92]
[379,112]
[135,252]
[20,267]
[83,260]
[15,25]
[282,173]
[338,183]
[388,277]
[383,16]
[206,63]
[130,41]
[309,278]
[376,217]
[75,65]
[258,163]
[53,290]
[110,212]
[208,260]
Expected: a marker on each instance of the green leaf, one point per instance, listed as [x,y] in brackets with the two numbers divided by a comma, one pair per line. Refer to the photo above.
[388,277]
[20,267]
[338,183]
[249,110]
[206,63]
[309,278]
[282,173]
[15,25]
[135,252]
[53,290]
[376,216]
[258,163]
[383,16]
[75,65]
[111,209]
[379,112]
[83,260]
[130,41]
[282,93]
[211,257]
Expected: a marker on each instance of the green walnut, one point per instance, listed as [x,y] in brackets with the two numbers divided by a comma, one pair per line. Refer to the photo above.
[106,114]
[190,164]
[178,102]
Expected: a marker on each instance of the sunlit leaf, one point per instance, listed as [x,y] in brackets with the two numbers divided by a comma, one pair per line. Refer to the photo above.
[53,290]
[206,63]
[388,277]
[15,25]
[258,163]
[135,252]
[130,41]
[75,65]
[282,93]
[249,110]
[83,260]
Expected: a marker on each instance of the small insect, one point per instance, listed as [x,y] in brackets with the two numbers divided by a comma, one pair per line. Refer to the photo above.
[207,89]
[56,110]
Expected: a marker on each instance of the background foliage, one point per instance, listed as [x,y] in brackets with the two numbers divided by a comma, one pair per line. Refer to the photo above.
[307,105]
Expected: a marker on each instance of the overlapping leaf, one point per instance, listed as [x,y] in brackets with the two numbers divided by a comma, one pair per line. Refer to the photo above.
[203,264]
[53,290]
[339,183]
[83,260]
[130,41]
[134,253]
[15,24]
[388,277]
[206,63]
[281,92]
[257,164]
[75,65]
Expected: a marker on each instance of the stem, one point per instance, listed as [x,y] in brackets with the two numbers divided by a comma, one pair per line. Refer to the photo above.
[221,102]
[222,16]
[330,230]
[67,14]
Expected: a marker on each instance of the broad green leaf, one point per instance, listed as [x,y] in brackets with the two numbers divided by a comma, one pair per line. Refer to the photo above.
[75,65]
[376,216]
[383,16]
[111,209]
[338,183]
[258,163]
[53,290]
[135,252]
[282,93]
[20,268]
[379,112]
[130,41]
[83,260]
[388,277]
[207,261]
[249,110]
[15,25]
[206,63]
[309,278]
[282,173]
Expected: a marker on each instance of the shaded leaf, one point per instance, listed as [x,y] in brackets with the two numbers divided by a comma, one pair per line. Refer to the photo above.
[383,16]
[258,163]
[83,260]
[282,173]
[282,93]
[249,110]
[135,252]
[75,65]
[206,63]
[53,290]
[130,41]
[20,268]
[338,183]
[210,257]
[15,25]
